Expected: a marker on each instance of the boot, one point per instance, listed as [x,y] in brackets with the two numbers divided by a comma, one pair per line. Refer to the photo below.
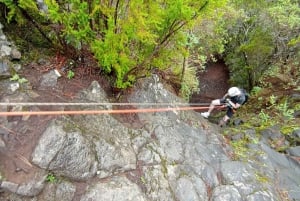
[222,123]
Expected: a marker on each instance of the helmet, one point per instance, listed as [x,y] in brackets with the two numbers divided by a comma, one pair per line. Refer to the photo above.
[234,91]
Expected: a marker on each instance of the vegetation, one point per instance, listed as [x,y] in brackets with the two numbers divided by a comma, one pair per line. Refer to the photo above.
[263,34]
[131,39]
[17,78]
[51,178]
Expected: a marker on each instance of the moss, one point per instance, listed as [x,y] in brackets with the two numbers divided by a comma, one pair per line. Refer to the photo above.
[261,177]
[164,165]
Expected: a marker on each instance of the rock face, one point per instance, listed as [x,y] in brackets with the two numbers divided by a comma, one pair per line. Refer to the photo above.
[67,154]
[176,155]
[117,188]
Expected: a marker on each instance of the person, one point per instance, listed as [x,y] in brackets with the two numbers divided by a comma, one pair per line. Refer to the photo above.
[234,98]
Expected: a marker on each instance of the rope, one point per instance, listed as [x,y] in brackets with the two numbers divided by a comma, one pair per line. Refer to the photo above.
[90,112]
[97,104]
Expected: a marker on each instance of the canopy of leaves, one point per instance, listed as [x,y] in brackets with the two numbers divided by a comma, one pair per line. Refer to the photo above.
[130,38]
[263,32]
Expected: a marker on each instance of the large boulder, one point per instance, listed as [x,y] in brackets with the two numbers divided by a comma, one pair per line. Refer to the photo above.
[66,153]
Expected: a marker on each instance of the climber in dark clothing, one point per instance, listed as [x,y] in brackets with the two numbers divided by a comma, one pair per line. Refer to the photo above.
[234,98]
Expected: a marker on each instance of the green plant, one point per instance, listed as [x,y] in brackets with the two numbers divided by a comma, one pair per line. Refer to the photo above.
[264,117]
[240,148]
[17,78]
[288,129]
[256,90]
[272,100]
[285,110]
[261,177]
[189,83]
[70,74]
[51,178]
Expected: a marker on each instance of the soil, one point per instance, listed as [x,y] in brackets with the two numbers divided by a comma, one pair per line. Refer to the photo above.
[213,83]
[22,139]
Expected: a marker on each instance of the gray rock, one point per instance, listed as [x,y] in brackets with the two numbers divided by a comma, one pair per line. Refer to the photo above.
[294,151]
[241,175]
[95,93]
[115,189]
[187,189]
[297,114]
[173,156]
[2,143]
[49,79]
[62,190]
[262,196]
[4,69]
[49,145]
[2,36]
[14,86]
[9,186]
[17,67]
[296,133]
[114,158]
[15,54]
[65,190]
[75,159]
[295,97]
[65,153]
[42,6]
[210,176]
[31,188]
[286,171]
[226,193]
[5,51]
[156,182]
[272,133]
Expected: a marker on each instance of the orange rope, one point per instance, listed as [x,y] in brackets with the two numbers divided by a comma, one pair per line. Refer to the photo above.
[90,112]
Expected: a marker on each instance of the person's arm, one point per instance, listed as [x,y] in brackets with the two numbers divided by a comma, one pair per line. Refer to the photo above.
[234,105]
[224,97]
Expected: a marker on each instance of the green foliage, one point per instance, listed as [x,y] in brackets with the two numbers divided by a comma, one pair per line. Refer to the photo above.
[264,118]
[262,178]
[15,9]
[129,37]
[288,129]
[70,74]
[284,109]
[260,34]
[73,17]
[240,147]
[51,178]
[19,79]
[189,84]
[255,90]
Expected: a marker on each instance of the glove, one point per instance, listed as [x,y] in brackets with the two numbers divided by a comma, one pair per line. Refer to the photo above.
[228,103]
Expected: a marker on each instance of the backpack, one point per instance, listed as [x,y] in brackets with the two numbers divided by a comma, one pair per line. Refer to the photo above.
[246,95]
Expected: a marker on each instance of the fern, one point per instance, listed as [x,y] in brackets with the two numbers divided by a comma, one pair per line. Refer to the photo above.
[15,9]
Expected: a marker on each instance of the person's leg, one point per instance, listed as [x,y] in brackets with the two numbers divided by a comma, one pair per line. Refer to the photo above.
[226,118]
[211,107]
[213,104]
